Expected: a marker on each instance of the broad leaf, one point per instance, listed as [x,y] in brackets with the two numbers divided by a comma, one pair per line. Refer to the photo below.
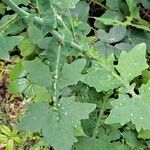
[35,33]
[135,109]
[115,34]
[18,86]
[57,126]
[100,78]
[27,47]
[81,11]
[131,64]
[113,4]
[86,143]
[7,44]
[46,10]
[65,3]
[25,2]
[2,8]
[134,10]
[38,72]
[71,73]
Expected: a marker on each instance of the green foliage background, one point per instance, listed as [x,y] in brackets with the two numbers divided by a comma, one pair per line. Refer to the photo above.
[82,75]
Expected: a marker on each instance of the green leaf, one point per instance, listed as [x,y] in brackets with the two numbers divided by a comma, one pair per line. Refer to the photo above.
[65,3]
[114,4]
[110,16]
[115,34]
[8,44]
[145,3]
[16,27]
[81,11]
[47,11]
[25,2]
[2,8]
[144,134]
[17,72]
[35,117]
[100,78]
[35,33]
[131,139]
[105,49]
[57,126]
[38,72]
[146,76]
[18,86]
[87,143]
[42,95]
[27,47]
[10,145]
[134,10]
[71,73]
[132,64]
[135,109]
[5,130]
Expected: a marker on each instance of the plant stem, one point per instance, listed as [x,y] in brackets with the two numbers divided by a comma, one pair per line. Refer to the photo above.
[98,124]
[14,7]
[38,20]
[56,75]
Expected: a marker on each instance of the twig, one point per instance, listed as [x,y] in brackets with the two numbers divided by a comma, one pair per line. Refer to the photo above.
[98,124]
[56,75]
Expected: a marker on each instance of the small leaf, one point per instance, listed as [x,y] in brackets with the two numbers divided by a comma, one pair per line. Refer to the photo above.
[135,109]
[71,73]
[38,72]
[134,10]
[136,62]
[144,134]
[17,72]
[35,33]
[2,8]
[8,44]
[5,130]
[113,4]
[10,145]
[115,34]
[81,11]
[18,86]
[27,47]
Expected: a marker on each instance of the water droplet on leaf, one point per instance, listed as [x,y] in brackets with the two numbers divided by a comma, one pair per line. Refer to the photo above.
[66,113]
[131,114]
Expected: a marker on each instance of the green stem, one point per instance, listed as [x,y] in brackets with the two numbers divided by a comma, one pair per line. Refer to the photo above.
[14,7]
[38,20]
[56,76]
[98,124]
[100,4]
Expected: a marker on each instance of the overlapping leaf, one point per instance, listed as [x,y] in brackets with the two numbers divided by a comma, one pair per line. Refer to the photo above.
[135,109]
[86,143]
[71,73]
[57,126]
[65,3]
[7,44]
[115,34]
[134,10]
[100,78]
[38,72]
[136,62]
